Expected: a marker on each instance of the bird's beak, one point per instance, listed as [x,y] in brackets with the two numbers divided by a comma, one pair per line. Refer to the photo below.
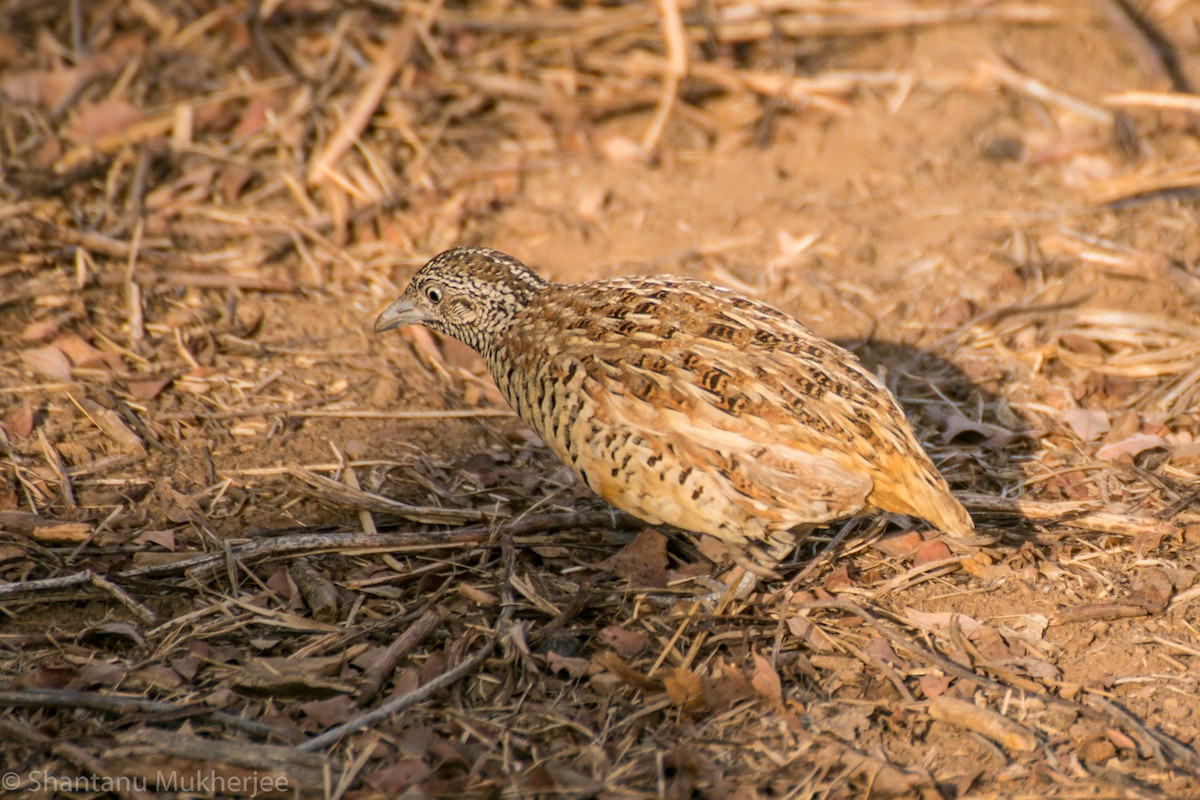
[400,313]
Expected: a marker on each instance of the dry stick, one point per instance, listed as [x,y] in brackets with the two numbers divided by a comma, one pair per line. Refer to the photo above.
[353,497]
[992,724]
[675,70]
[1076,515]
[334,542]
[372,680]
[119,704]
[1181,753]
[447,678]
[1162,101]
[1123,23]
[123,597]
[1008,77]
[133,291]
[50,585]
[402,702]
[319,593]
[394,54]
[60,469]
[1147,737]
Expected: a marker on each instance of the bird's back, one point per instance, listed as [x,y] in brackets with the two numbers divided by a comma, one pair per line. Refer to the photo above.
[685,403]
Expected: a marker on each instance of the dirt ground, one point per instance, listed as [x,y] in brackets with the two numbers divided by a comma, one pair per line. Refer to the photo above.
[231,518]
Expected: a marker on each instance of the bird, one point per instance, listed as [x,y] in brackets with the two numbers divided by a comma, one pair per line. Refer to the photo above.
[685,403]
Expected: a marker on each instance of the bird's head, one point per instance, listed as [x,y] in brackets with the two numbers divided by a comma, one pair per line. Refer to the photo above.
[470,293]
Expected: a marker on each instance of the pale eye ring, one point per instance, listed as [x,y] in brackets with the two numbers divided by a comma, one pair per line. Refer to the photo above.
[434,294]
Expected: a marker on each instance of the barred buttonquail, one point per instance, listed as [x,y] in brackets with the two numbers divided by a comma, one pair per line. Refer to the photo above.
[682,402]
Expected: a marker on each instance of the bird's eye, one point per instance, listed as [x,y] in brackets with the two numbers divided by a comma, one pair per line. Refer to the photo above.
[434,294]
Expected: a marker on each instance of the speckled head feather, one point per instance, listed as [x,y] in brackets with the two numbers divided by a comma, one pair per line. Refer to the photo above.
[470,293]
[683,402]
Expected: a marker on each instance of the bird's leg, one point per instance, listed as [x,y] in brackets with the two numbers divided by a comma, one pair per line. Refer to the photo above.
[752,563]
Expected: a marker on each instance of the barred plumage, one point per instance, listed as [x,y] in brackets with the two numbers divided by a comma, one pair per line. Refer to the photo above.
[683,402]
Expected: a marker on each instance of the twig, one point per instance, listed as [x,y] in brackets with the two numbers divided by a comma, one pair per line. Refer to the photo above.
[1007,76]
[342,494]
[377,673]
[403,701]
[1076,515]
[675,69]
[122,704]
[393,54]
[335,542]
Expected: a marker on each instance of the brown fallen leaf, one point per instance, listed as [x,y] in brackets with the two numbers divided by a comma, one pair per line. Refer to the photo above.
[981,433]
[929,551]
[20,422]
[766,682]
[95,120]
[1087,423]
[48,361]
[685,689]
[82,354]
[1130,446]
[627,644]
[901,545]
[643,561]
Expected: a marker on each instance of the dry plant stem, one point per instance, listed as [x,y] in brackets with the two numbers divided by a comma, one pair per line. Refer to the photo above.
[1152,741]
[319,593]
[89,764]
[675,70]
[120,704]
[1148,55]
[404,701]
[447,678]
[344,495]
[993,725]
[122,597]
[393,54]
[378,672]
[1076,515]
[339,542]
[49,585]
[1012,79]
[1181,754]
[1162,101]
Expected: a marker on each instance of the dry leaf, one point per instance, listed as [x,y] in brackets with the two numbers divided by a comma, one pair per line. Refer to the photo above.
[574,667]
[627,644]
[392,781]
[81,353]
[981,433]
[164,539]
[1131,446]
[941,620]
[685,689]
[330,711]
[39,331]
[880,648]
[94,121]
[932,550]
[48,361]
[766,681]
[1087,423]
[901,545]
[643,561]
[726,686]
[934,685]
[20,422]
